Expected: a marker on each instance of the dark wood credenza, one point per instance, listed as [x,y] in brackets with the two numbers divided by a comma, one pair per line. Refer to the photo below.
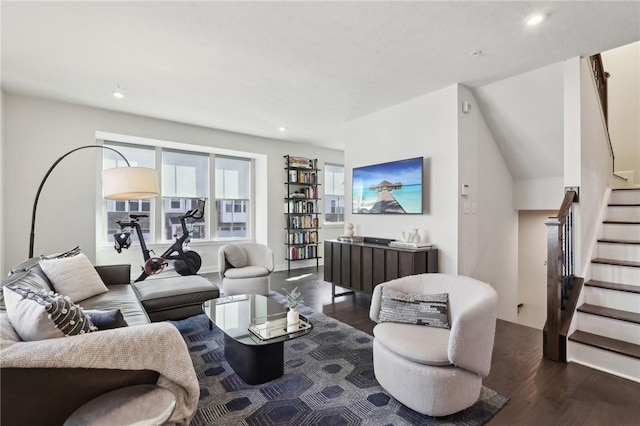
[362,266]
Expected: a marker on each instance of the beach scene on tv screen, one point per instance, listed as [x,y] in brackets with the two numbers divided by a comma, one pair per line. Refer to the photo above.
[389,188]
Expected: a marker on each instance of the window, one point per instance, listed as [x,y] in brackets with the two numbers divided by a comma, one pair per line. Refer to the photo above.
[334,193]
[120,210]
[185,178]
[233,193]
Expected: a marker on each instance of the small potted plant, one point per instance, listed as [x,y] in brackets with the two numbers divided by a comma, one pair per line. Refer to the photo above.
[293,299]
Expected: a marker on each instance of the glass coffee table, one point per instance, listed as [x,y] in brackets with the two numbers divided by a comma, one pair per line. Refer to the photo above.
[255,329]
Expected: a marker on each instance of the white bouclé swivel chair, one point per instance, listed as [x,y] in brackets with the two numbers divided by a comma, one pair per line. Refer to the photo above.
[245,268]
[434,371]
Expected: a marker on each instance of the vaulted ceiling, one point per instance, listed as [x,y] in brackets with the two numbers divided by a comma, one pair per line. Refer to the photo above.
[252,67]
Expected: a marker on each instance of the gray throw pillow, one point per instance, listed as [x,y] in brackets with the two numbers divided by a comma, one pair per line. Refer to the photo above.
[39,314]
[106,320]
[421,309]
[235,255]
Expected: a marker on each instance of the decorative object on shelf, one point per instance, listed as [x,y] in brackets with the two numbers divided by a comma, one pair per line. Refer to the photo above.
[348,230]
[301,209]
[292,300]
[411,237]
[118,183]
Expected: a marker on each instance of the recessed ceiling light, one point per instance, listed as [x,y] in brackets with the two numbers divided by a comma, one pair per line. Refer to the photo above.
[534,19]
[118,93]
[476,53]
[282,129]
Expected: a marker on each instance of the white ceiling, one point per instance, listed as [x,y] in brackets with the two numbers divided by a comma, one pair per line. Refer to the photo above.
[251,67]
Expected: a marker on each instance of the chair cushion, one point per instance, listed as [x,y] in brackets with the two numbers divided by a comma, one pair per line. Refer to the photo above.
[421,309]
[424,345]
[39,314]
[74,276]
[235,255]
[246,272]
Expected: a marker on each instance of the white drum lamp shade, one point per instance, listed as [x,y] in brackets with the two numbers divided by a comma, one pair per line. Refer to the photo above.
[129,183]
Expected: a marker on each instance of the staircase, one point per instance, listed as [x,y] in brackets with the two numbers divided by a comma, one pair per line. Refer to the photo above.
[608,322]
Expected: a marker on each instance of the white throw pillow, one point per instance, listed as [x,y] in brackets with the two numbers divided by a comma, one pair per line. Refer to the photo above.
[74,277]
[39,314]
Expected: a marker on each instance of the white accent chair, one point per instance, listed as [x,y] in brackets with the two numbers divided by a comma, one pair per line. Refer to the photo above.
[436,371]
[245,268]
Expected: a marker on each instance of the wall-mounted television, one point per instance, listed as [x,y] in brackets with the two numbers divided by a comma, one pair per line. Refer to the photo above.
[388,188]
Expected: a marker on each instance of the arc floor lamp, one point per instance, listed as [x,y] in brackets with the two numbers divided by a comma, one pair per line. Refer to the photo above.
[118,183]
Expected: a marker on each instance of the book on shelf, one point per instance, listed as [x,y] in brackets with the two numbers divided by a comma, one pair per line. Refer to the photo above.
[401,244]
[300,162]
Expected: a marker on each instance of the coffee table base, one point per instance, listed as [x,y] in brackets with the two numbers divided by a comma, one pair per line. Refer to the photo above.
[255,364]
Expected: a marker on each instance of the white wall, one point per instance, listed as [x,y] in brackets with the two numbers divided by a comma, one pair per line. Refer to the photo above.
[487,220]
[623,88]
[532,269]
[595,168]
[538,194]
[38,131]
[425,126]
[2,243]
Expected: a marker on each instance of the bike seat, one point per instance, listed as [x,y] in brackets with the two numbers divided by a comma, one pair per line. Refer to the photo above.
[137,216]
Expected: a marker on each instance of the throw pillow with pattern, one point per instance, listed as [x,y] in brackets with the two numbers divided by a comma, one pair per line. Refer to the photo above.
[422,309]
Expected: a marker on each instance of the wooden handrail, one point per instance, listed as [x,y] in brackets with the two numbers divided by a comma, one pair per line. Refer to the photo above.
[559,273]
[600,76]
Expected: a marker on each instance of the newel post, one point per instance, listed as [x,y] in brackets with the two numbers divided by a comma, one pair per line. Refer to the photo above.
[554,274]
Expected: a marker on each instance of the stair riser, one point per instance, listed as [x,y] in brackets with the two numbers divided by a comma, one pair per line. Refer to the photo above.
[625,197]
[615,329]
[615,274]
[620,232]
[631,214]
[629,252]
[622,300]
[603,360]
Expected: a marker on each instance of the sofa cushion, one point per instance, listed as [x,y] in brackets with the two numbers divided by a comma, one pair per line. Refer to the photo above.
[107,320]
[420,309]
[174,292]
[38,314]
[246,272]
[235,255]
[424,345]
[74,276]
[123,297]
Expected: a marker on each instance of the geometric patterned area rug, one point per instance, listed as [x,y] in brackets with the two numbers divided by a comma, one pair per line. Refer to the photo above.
[328,380]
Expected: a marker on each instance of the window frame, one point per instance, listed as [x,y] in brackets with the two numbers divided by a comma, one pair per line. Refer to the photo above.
[327,201]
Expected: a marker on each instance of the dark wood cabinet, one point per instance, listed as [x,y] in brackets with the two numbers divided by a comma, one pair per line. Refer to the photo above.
[362,266]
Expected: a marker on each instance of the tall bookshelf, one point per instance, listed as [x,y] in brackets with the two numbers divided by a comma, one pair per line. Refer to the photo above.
[301,209]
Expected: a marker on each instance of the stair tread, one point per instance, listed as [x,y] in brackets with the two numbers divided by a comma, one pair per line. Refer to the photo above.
[607,343]
[616,262]
[624,205]
[610,313]
[614,286]
[614,241]
[621,222]
[626,189]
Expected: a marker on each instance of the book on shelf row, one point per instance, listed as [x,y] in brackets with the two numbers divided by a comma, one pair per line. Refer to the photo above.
[310,192]
[299,206]
[301,162]
[299,222]
[308,252]
[303,237]
[299,176]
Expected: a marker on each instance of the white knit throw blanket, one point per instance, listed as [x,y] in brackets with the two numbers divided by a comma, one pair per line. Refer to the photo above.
[157,347]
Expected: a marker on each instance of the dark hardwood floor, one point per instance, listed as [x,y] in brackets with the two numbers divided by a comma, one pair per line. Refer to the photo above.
[542,392]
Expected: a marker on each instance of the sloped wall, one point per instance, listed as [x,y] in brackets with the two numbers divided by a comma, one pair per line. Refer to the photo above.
[487,220]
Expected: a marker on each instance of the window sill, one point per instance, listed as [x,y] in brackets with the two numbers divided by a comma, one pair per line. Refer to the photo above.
[333,225]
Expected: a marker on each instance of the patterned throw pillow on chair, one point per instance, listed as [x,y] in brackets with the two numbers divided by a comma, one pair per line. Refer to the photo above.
[421,309]
[39,314]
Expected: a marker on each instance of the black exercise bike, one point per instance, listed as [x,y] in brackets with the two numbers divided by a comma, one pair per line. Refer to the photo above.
[185,261]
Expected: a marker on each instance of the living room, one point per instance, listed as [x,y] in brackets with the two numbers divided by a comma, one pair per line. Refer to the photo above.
[369,116]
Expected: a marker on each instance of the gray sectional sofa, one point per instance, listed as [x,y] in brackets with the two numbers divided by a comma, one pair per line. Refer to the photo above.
[43,382]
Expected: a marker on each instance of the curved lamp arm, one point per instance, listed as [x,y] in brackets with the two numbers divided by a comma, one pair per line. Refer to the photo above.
[32,235]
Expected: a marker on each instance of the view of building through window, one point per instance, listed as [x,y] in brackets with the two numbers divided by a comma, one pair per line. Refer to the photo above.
[233,193]
[334,193]
[185,178]
[120,210]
